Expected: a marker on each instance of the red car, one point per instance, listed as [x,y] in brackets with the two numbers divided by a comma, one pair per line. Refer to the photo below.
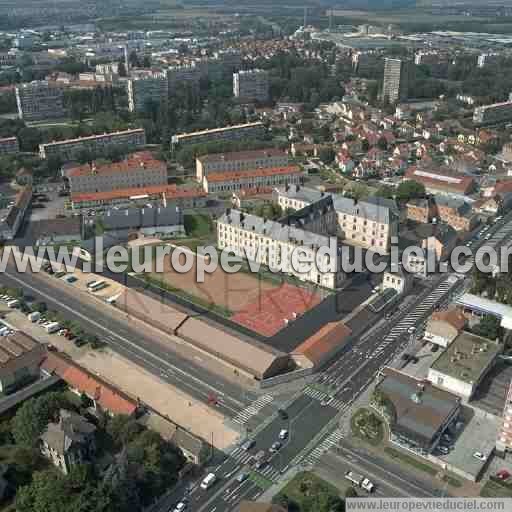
[503,474]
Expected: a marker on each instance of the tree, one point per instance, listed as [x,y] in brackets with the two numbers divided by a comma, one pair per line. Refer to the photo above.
[385,191]
[410,189]
[365,145]
[47,491]
[489,327]
[382,143]
[327,155]
[123,429]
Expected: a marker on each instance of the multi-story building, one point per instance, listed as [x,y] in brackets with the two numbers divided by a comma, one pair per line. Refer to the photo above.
[240,161]
[38,101]
[183,197]
[145,90]
[68,442]
[493,114]
[504,440]
[137,170]
[441,180]
[486,59]
[8,59]
[110,68]
[9,146]
[12,214]
[397,80]
[453,211]
[251,85]
[258,180]
[180,76]
[272,243]
[20,357]
[370,223]
[69,149]
[236,132]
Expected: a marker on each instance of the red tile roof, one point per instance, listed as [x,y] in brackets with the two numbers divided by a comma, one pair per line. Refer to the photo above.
[236,176]
[109,398]
[170,191]
[323,342]
[452,316]
[440,178]
[134,161]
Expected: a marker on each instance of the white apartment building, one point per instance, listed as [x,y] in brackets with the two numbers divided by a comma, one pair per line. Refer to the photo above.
[272,243]
[369,223]
[236,132]
[240,161]
[69,149]
[38,101]
[251,85]
[143,90]
[495,113]
[138,170]
[9,146]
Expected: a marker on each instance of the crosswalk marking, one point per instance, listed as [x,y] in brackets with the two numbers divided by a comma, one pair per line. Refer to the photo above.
[312,457]
[245,415]
[336,403]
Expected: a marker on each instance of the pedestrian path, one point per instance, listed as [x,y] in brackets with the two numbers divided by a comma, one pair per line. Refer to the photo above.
[419,312]
[331,440]
[246,414]
[321,396]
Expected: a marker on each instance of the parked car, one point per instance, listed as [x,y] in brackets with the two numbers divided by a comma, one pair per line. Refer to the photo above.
[503,474]
[275,447]
[443,449]
[242,477]
[283,434]
[250,443]
[282,414]
[180,506]
[479,456]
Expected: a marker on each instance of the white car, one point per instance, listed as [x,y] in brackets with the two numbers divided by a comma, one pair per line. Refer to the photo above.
[180,506]
[283,434]
[411,329]
[479,456]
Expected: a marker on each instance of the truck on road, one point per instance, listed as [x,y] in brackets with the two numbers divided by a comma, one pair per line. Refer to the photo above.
[359,481]
[52,327]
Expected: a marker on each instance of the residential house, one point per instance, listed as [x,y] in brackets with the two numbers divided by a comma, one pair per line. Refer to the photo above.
[68,442]
[444,326]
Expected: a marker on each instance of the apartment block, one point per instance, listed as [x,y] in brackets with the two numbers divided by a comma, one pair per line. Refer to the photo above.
[236,132]
[251,85]
[8,59]
[38,101]
[258,180]
[369,223]
[397,79]
[69,149]
[12,214]
[9,146]
[240,161]
[272,243]
[145,90]
[137,170]
[504,440]
[493,114]
[179,76]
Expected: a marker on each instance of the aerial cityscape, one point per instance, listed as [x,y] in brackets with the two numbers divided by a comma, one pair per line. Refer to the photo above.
[254,256]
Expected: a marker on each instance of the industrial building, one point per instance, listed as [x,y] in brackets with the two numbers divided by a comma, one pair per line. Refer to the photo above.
[40,100]
[69,149]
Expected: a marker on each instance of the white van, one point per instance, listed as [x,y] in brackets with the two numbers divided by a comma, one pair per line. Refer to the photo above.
[208,481]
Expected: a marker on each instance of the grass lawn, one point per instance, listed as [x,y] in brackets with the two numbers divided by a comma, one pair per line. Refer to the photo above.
[198,226]
[262,482]
[305,485]
[494,489]
[360,427]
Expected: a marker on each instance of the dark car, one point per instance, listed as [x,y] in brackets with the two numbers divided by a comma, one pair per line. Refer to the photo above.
[282,414]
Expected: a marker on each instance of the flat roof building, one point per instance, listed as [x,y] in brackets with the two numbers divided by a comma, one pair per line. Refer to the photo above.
[236,132]
[251,85]
[70,149]
[38,101]
[463,365]
[493,114]
[9,146]
[480,306]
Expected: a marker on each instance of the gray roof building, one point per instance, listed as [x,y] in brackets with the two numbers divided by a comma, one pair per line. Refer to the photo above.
[137,218]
